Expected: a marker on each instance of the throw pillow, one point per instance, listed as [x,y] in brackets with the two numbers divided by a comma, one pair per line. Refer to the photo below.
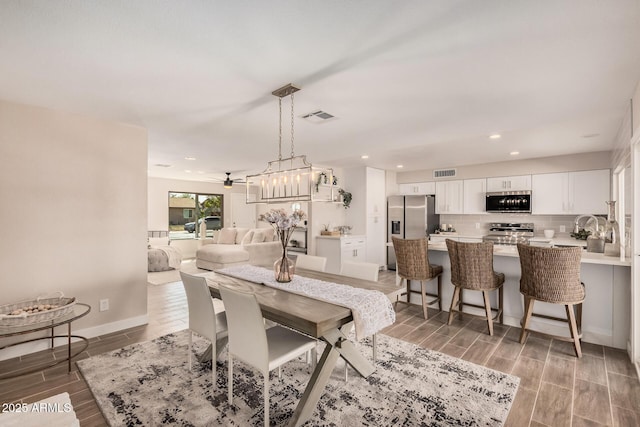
[247,238]
[258,236]
[227,236]
[240,233]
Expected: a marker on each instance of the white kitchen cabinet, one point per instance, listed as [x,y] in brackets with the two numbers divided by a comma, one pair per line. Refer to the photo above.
[571,193]
[509,183]
[474,196]
[549,194]
[589,190]
[339,249]
[417,188]
[450,197]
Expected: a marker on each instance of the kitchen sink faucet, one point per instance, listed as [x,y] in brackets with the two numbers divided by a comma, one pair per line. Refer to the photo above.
[576,227]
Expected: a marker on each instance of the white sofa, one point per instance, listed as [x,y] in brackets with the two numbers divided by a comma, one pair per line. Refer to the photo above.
[235,246]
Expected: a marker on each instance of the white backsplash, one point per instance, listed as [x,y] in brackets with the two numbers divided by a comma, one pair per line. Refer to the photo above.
[466,224]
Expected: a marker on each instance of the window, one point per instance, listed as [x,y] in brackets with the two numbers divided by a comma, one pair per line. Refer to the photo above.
[188,210]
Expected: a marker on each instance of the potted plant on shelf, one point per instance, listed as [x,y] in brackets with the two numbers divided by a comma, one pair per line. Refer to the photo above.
[346,198]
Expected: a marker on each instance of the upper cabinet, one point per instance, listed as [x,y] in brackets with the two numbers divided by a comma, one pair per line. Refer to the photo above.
[509,183]
[571,193]
[417,188]
[450,197]
[474,196]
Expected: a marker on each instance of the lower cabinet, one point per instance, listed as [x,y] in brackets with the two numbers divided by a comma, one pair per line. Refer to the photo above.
[339,249]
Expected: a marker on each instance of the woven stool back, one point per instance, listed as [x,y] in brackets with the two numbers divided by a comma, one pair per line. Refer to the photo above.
[472,265]
[551,274]
[412,259]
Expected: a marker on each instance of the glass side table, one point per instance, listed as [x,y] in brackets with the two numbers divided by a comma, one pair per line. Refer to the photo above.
[79,310]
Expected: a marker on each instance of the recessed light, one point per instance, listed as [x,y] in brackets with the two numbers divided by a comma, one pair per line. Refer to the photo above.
[364,156]
[189,158]
[495,136]
[200,172]
[400,166]
[514,153]
[187,170]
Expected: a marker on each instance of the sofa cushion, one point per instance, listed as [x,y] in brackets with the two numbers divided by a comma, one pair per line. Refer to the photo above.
[258,236]
[240,233]
[247,238]
[227,236]
[222,255]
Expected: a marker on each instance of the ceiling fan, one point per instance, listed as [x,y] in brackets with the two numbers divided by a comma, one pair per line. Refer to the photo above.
[228,182]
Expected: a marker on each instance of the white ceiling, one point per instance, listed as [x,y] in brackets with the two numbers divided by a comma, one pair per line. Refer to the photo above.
[419,83]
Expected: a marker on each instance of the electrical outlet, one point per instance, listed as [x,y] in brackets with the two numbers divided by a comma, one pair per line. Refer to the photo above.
[477,225]
[563,229]
[104,304]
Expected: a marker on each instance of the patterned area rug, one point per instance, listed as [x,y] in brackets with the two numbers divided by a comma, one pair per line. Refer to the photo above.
[150,384]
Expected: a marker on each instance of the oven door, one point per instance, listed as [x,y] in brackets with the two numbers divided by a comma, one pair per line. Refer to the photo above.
[509,202]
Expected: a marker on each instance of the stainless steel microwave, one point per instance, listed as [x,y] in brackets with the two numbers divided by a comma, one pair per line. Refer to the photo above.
[509,201]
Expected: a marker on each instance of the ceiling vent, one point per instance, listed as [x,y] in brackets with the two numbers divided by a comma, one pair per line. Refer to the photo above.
[318,116]
[444,173]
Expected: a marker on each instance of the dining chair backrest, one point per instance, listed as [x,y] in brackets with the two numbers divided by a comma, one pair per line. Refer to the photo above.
[247,337]
[202,316]
[311,262]
[360,270]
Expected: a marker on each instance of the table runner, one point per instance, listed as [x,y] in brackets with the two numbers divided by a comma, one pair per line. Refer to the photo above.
[372,311]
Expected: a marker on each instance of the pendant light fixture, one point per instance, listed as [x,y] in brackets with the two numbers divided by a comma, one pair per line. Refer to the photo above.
[290,179]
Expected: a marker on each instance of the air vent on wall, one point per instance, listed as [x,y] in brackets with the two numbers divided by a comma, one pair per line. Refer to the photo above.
[318,116]
[442,173]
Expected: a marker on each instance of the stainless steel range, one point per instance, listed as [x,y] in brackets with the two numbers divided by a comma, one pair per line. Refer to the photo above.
[505,233]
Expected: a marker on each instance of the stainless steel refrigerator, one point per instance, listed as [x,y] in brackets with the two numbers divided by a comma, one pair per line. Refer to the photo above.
[409,217]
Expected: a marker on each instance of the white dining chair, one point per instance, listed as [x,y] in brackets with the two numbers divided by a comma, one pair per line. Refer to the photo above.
[364,271]
[203,320]
[249,341]
[311,262]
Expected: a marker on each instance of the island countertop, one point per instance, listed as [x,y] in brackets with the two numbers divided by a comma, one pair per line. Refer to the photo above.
[512,251]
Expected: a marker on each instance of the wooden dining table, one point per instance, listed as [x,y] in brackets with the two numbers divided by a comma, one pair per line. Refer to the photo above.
[328,322]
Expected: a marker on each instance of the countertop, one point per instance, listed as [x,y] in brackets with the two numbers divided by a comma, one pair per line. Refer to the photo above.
[560,240]
[346,236]
[512,251]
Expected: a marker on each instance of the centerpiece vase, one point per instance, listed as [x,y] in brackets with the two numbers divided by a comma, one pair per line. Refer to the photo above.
[612,232]
[284,268]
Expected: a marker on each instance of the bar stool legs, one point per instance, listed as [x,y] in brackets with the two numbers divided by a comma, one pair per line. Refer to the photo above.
[487,308]
[457,300]
[424,294]
[574,320]
[573,327]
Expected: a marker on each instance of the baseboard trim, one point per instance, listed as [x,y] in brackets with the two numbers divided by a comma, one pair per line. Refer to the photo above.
[92,332]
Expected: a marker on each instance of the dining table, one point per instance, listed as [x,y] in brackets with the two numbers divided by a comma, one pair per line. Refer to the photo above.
[328,322]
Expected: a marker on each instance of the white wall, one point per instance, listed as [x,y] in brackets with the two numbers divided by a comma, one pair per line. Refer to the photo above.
[73,210]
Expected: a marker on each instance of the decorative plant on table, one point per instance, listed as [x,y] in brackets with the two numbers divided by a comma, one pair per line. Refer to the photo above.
[284,225]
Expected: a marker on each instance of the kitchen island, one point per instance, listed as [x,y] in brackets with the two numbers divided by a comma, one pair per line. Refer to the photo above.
[606,309]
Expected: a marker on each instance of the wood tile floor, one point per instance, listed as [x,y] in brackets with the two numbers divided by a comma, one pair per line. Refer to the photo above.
[556,389]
